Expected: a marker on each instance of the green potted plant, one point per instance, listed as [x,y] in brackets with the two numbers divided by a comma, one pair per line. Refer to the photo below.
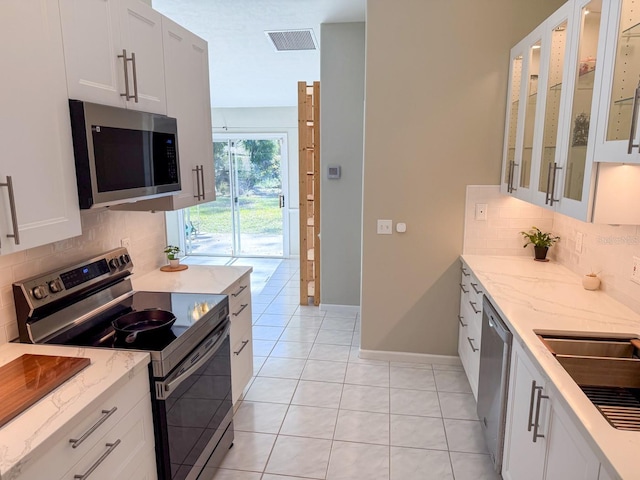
[541,242]
[172,251]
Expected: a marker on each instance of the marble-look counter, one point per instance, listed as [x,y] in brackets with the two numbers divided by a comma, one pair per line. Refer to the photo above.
[36,429]
[532,296]
[196,279]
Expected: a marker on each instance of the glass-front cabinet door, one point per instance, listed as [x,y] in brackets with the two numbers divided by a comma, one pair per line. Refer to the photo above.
[618,136]
[552,86]
[575,189]
[522,108]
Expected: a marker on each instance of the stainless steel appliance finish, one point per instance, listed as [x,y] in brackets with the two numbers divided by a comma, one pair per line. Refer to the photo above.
[190,369]
[495,353]
[123,155]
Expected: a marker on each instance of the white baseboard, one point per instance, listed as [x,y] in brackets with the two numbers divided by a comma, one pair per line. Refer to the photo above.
[351,310]
[409,357]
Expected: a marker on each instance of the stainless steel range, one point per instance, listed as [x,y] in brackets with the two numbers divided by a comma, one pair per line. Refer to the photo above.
[190,369]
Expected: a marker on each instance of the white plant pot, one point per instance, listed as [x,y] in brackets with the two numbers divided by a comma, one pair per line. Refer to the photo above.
[590,282]
[174,263]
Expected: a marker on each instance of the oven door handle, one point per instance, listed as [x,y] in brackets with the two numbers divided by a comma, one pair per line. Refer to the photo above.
[163,389]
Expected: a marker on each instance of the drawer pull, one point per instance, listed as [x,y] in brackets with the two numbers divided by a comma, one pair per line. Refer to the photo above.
[242,287]
[110,448]
[536,423]
[244,305]
[474,349]
[464,272]
[244,344]
[75,442]
[460,317]
[462,288]
[475,288]
[473,306]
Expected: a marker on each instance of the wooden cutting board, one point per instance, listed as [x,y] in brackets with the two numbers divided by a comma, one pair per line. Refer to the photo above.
[28,378]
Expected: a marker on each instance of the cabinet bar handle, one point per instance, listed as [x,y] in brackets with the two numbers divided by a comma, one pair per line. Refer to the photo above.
[634,120]
[473,306]
[460,317]
[244,305]
[546,194]
[75,442]
[474,349]
[552,198]
[475,285]
[242,287]
[135,77]
[462,288]
[533,393]
[197,170]
[110,448]
[126,74]
[202,177]
[464,272]
[509,177]
[536,425]
[244,344]
[14,214]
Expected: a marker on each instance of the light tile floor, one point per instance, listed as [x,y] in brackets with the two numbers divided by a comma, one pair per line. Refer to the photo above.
[314,410]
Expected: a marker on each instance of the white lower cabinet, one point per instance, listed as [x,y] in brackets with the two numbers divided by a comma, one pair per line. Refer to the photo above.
[541,441]
[241,337]
[470,326]
[113,439]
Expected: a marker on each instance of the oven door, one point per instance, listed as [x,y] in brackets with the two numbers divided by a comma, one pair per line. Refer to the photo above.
[193,410]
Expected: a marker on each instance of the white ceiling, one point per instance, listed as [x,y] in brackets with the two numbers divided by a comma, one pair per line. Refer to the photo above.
[246,71]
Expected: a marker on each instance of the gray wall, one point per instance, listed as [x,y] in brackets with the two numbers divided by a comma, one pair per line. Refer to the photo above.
[341,134]
[436,83]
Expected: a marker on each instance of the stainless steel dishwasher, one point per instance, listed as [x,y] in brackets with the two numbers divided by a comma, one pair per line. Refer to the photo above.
[495,354]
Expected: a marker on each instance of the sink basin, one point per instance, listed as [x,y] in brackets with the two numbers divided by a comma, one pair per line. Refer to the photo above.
[606,368]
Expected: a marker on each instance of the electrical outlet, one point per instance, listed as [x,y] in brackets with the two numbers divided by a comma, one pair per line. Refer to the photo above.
[635,273]
[481,211]
[579,236]
[125,242]
[385,227]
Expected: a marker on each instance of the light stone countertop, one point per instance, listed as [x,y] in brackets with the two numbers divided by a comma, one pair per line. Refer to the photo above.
[39,427]
[196,279]
[530,296]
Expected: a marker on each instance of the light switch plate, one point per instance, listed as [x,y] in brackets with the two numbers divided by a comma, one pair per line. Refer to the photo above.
[579,236]
[481,211]
[635,273]
[385,227]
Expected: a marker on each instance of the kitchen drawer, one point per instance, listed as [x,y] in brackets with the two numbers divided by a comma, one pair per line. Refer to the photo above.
[238,288]
[470,311]
[240,314]
[128,441]
[469,351]
[241,364]
[56,461]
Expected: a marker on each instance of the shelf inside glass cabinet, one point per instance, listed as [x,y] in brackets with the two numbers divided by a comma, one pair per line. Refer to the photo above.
[631,32]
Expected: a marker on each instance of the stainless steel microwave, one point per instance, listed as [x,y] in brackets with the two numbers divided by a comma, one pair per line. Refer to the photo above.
[123,155]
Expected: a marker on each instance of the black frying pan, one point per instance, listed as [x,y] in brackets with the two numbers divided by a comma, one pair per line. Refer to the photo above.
[142,324]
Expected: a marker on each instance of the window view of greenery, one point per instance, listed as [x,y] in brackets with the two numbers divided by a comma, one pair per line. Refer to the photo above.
[246,218]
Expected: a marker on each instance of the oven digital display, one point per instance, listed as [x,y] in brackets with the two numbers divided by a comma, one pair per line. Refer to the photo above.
[78,276]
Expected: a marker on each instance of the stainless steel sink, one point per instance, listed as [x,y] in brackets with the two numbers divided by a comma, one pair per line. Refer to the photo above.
[606,368]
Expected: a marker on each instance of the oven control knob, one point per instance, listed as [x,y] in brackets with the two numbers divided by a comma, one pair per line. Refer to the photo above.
[124,259]
[39,292]
[55,286]
[114,263]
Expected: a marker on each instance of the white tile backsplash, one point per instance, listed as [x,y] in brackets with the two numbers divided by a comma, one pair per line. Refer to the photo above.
[606,249]
[102,231]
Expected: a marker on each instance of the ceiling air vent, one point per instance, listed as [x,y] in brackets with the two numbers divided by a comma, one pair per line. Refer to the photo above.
[288,40]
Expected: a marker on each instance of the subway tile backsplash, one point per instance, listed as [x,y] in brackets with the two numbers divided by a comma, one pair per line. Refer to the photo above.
[606,249]
[102,231]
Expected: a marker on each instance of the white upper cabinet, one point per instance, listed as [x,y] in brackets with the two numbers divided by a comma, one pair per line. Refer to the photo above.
[554,146]
[186,61]
[35,129]
[113,53]
[618,135]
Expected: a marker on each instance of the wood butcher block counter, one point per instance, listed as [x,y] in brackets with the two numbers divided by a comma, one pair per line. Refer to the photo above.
[36,430]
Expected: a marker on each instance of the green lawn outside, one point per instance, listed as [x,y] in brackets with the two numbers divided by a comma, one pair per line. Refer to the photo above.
[258,215]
